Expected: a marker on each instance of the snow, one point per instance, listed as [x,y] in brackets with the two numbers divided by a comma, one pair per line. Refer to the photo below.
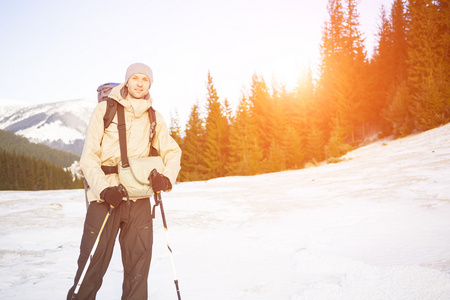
[52,132]
[64,121]
[8,106]
[374,226]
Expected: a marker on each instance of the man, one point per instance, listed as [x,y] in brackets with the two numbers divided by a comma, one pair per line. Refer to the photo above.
[133,219]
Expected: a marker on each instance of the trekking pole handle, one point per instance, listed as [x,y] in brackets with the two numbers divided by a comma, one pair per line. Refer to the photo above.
[124,190]
[158,197]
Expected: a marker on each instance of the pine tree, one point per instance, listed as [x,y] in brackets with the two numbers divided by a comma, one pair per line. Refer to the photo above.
[294,149]
[331,50]
[352,94]
[262,116]
[313,108]
[382,74]
[293,132]
[228,111]
[298,113]
[192,161]
[315,143]
[427,65]
[216,135]
[389,67]
[343,60]
[175,129]
[276,161]
[245,156]
[399,25]
[336,146]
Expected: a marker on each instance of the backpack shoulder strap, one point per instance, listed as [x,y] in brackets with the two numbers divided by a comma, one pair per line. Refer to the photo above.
[122,127]
[111,108]
[152,118]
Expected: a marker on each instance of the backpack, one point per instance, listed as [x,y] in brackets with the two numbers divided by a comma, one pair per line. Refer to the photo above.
[111,109]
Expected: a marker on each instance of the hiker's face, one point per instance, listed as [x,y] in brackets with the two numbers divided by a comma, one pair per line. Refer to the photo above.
[138,86]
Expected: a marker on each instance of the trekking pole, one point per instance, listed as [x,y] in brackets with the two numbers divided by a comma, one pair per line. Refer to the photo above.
[158,201]
[94,248]
[91,255]
[86,188]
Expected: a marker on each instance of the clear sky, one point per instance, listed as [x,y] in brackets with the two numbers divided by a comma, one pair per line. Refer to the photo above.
[63,50]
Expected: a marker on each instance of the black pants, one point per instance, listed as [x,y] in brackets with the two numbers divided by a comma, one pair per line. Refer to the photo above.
[134,221]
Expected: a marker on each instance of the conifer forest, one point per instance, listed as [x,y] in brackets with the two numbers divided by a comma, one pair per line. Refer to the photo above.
[30,166]
[401,89]
[22,172]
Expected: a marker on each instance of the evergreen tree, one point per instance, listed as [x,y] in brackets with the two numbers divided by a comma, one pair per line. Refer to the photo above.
[245,156]
[294,149]
[315,143]
[293,132]
[216,152]
[336,146]
[389,72]
[382,75]
[331,51]
[276,161]
[398,109]
[311,120]
[428,65]
[227,133]
[175,129]
[192,161]
[262,116]
[351,94]
[343,60]
[298,113]
[399,25]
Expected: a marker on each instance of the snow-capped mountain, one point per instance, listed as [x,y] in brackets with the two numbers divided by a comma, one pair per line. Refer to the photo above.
[61,125]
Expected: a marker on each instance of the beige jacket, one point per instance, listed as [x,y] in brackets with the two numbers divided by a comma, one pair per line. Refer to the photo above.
[101,146]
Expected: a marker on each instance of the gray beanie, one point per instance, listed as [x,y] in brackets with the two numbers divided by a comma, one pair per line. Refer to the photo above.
[141,69]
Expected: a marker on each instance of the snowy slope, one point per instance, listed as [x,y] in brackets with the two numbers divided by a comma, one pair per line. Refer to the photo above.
[61,125]
[8,107]
[376,226]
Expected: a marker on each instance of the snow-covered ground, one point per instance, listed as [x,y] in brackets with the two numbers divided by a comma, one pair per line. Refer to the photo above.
[375,226]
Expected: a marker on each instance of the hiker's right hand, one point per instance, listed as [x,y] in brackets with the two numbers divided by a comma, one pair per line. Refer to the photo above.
[112,195]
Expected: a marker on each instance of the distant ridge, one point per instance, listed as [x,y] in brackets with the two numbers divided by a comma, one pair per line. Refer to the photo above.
[20,145]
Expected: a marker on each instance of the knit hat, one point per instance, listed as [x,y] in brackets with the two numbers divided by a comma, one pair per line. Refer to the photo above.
[141,69]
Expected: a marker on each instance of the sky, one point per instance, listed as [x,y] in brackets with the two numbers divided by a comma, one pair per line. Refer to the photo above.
[63,50]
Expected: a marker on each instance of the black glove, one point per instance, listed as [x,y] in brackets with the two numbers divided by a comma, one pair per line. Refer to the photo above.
[160,182]
[112,195]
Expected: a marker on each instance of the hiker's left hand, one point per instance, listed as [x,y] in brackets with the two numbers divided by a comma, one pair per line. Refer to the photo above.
[160,182]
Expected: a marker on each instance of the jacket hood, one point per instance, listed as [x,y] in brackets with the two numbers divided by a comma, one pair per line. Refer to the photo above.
[137,106]
[120,92]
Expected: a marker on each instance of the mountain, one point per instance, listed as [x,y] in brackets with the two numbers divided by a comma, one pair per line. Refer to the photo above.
[61,125]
